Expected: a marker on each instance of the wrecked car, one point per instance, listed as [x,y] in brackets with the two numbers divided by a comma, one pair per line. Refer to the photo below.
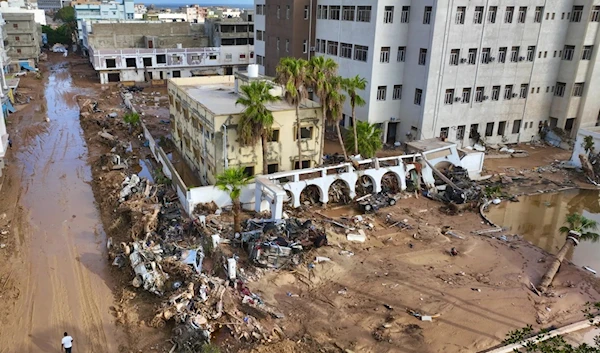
[374,202]
[145,264]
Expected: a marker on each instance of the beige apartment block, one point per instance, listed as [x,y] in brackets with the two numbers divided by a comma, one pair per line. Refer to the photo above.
[205,117]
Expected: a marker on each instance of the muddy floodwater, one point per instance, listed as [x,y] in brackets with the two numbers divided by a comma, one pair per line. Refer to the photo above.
[538,217]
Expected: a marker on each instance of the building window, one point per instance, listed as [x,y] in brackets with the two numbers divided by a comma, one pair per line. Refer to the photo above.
[278,12]
[324,12]
[15,25]
[478,18]
[305,46]
[466,95]
[508,15]
[260,35]
[473,131]
[401,54]
[460,132]
[539,11]
[306,133]
[111,63]
[130,62]
[397,94]
[578,89]
[422,56]
[418,95]
[381,93]
[524,90]
[363,14]
[404,18]
[522,14]
[334,12]
[275,135]
[495,93]
[272,168]
[577,12]
[479,94]
[508,92]
[516,126]
[332,48]
[560,89]
[485,55]
[160,59]
[460,15]
[348,13]
[322,46]
[568,52]
[501,128]
[502,54]
[492,11]
[489,129]
[306,12]
[361,52]
[346,50]
[287,12]
[514,54]
[530,53]
[305,165]
[259,10]
[586,54]
[454,56]
[17,38]
[427,15]
[595,15]
[388,14]
[449,98]
[176,74]
[472,58]
[444,132]
[384,56]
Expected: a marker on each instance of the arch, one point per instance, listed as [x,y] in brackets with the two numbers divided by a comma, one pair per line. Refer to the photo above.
[390,183]
[311,194]
[365,185]
[339,192]
[289,198]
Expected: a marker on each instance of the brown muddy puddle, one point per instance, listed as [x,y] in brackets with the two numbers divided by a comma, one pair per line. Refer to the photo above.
[537,218]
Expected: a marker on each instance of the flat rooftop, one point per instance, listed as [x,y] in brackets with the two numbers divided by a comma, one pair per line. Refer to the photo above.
[220,98]
[428,144]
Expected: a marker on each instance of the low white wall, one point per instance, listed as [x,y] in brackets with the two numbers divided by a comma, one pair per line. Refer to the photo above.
[578,148]
[211,193]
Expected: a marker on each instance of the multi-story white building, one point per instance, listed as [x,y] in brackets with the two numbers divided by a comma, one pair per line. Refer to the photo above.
[459,69]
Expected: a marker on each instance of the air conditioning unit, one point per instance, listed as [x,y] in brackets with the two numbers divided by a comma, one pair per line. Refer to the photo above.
[313,48]
[514,95]
[457,99]
[521,58]
[492,59]
[463,60]
[486,98]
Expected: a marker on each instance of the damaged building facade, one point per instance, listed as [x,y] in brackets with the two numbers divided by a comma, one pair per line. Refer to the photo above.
[462,70]
[204,127]
[138,51]
[23,39]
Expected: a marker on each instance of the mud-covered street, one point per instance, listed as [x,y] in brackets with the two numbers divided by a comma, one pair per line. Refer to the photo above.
[56,278]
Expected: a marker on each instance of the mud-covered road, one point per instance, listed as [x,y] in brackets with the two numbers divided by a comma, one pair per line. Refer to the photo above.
[60,274]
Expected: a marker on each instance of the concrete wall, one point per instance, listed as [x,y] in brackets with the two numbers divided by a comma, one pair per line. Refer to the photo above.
[23,35]
[133,35]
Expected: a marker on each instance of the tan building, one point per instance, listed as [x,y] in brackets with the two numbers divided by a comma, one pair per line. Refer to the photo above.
[204,121]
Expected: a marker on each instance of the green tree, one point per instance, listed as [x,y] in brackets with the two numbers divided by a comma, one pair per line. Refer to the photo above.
[578,228]
[369,139]
[256,120]
[588,144]
[292,74]
[65,14]
[61,35]
[352,85]
[322,71]
[232,180]
[334,103]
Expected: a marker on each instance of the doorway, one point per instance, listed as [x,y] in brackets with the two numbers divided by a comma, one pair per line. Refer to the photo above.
[114,77]
[392,130]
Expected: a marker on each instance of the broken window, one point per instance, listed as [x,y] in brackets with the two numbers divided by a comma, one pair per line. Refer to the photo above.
[111,63]
[460,132]
[474,131]
[444,132]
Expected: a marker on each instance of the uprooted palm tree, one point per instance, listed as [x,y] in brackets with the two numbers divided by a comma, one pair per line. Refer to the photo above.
[232,180]
[352,85]
[322,72]
[578,228]
[256,120]
[293,74]
[369,139]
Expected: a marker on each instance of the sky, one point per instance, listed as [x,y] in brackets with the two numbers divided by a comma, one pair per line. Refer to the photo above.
[199,2]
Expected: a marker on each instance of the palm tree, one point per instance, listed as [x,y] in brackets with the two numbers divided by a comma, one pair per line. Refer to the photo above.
[334,103]
[369,139]
[292,74]
[232,180]
[256,120]
[351,86]
[578,228]
[321,73]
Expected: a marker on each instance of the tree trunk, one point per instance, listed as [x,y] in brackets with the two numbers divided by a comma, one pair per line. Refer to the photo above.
[324,112]
[237,225]
[299,137]
[354,127]
[339,133]
[553,269]
[264,154]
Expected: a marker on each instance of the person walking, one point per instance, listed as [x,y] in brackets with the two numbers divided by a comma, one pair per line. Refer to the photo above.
[67,343]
